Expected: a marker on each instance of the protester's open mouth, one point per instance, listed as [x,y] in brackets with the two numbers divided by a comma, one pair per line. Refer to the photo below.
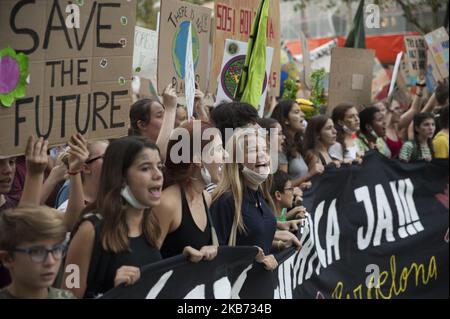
[265,164]
[6,181]
[155,192]
[262,168]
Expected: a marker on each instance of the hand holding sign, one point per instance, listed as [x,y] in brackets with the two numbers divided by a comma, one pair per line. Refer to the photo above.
[199,108]
[170,97]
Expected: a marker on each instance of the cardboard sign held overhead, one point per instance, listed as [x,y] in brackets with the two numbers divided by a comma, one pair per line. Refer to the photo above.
[233,61]
[174,24]
[145,55]
[350,77]
[233,20]
[433,75]
[189,78]
[416,54]
[438,44]
[79,79]
[406,74]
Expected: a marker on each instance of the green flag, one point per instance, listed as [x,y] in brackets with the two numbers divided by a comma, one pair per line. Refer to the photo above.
[254,71]
[357,36]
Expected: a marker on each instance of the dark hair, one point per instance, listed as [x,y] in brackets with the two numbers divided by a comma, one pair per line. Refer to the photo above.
[281,114]
[441,93]
[443,117]
[140,111]
[233,115]
[279,180]
[339,115]
[179,173]
[267,123]
[366,117]
[419,119]
[119,156]
[315,125]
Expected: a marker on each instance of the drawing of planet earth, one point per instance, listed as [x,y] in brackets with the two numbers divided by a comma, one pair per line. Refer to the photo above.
[179,48]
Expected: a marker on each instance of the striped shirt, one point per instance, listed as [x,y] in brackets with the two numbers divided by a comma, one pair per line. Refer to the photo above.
[408,154]
[363,145]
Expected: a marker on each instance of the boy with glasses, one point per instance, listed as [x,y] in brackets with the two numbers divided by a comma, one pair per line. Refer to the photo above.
[31,247]
[287,200]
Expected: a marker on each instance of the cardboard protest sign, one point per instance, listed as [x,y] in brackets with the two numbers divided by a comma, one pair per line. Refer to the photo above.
[189,78]
[175,18]
[233,61]
[433,75]
[350,77]
[145,55]
[78,79]
[438,44]
[233,20]
[395,73]
[406,75]
[416,54]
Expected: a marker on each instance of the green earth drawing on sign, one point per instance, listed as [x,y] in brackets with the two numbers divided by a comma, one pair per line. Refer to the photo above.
[179,48]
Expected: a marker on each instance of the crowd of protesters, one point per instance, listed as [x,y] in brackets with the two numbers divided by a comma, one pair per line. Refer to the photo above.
[122,204]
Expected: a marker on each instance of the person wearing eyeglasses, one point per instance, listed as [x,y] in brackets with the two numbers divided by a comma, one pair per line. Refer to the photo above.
[31,247]
[85,161]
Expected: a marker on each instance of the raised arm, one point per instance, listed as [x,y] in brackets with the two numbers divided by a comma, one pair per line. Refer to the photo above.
[78,154]
[57,175]
[36,162]
[200,109]
[408,116]
[170,114]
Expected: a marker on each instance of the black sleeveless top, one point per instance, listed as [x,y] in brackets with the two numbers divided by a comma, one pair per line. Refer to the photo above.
[188,233]
[103,265]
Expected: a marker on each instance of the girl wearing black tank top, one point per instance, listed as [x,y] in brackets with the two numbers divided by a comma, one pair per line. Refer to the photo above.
[111,247]
[183,214]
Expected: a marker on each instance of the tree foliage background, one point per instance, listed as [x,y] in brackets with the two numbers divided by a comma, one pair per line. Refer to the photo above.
[147,13]
[409,7]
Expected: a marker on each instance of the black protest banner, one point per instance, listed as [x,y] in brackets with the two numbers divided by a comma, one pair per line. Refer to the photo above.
[221,278]
[67,68]
[377,230]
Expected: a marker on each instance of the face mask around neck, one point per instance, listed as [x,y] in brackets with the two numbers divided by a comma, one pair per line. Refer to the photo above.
[255,178]
[131,200]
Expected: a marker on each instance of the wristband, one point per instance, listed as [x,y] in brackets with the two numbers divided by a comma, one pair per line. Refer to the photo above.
[74,173]
[419,95]
[421,85]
